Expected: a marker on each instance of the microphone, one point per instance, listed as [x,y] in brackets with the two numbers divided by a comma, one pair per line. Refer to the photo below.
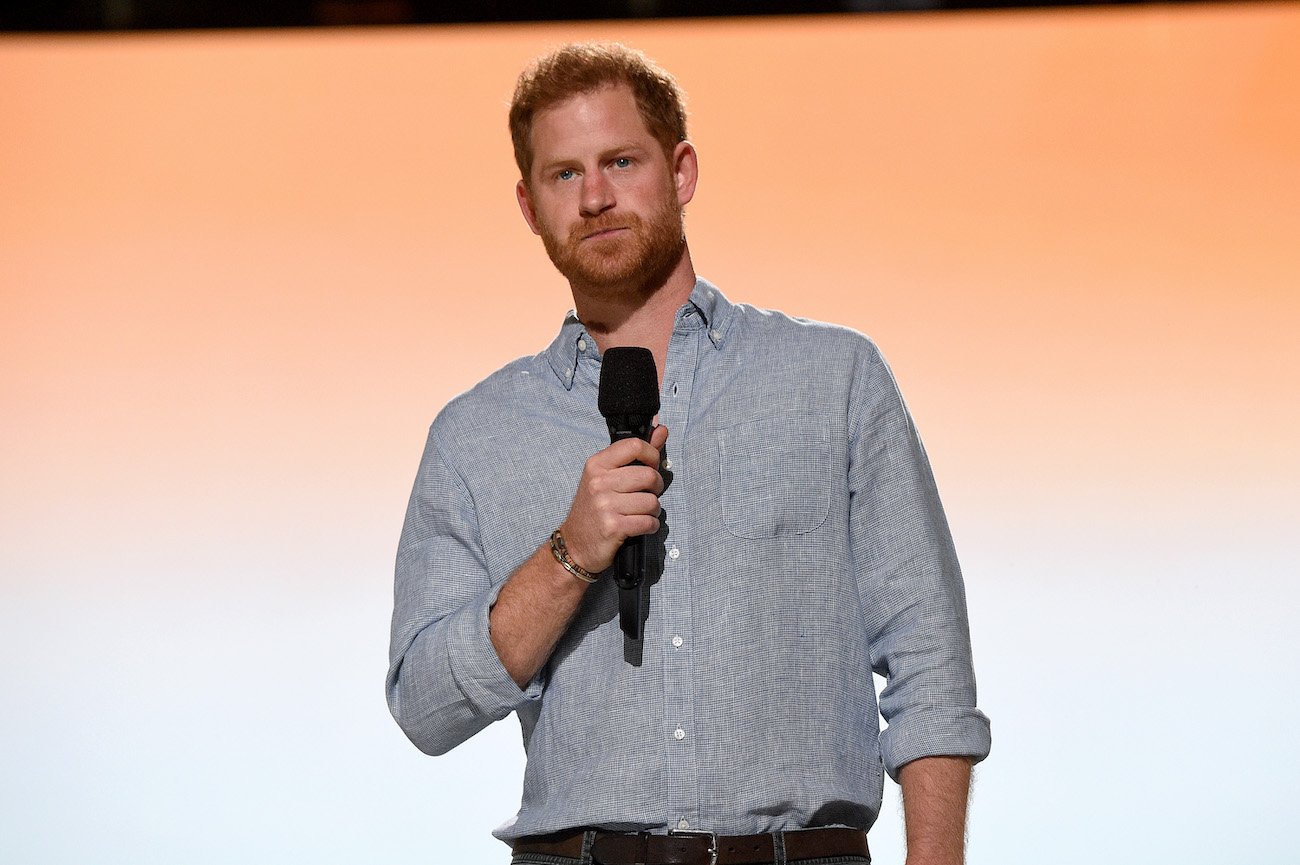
[629,400]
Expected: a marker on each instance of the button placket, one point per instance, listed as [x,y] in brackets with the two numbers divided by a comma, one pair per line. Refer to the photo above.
[675,587]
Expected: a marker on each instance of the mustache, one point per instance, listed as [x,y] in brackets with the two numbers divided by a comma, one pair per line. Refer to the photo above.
[604,222]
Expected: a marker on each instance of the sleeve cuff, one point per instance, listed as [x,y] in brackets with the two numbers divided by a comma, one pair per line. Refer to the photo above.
[934,732]
[477,669]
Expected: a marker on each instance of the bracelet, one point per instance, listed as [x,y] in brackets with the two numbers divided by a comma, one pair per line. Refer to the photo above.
[561,553]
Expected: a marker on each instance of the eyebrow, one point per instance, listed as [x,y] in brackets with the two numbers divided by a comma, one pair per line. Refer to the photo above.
[607,153]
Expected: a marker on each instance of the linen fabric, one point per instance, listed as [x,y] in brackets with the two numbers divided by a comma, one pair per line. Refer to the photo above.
[803,546]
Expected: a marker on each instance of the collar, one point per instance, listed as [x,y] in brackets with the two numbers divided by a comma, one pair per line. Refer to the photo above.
[707,302]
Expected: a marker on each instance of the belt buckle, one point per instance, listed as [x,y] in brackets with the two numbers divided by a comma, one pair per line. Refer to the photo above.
[712,836]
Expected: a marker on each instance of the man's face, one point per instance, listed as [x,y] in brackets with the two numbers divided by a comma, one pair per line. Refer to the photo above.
[602,193]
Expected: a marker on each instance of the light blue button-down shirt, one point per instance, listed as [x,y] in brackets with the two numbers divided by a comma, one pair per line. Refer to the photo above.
[803,547]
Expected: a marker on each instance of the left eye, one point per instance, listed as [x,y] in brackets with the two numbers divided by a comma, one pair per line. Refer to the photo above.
[622,162]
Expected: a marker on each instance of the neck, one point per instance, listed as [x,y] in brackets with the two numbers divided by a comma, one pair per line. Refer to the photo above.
[637,316]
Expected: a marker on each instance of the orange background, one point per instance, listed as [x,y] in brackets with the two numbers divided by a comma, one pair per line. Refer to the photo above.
[240,272]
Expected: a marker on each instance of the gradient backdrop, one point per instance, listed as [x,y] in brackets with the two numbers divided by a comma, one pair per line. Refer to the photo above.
[240,272]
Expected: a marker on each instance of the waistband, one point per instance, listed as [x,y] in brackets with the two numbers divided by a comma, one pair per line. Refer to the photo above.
[700,848]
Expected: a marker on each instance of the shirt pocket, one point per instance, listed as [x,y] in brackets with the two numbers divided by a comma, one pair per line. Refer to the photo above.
[775,476]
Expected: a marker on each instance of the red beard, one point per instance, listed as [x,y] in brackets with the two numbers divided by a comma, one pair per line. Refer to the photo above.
[641,256]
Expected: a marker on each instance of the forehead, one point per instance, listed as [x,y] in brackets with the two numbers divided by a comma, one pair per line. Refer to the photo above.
[589,121]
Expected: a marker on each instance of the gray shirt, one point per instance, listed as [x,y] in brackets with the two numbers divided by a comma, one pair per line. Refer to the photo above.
[803,547]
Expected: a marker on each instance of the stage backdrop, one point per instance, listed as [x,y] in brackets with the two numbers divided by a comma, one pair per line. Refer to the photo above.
[240,273]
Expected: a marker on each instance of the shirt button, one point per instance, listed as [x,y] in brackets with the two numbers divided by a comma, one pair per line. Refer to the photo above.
[668,463]
[674,389]
[677,642]
[582,345]
[679,734]
[683,823]
[714,335]
[674,553]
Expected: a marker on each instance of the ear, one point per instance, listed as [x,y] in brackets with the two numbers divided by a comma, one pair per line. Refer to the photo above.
[686,171]
[526,206]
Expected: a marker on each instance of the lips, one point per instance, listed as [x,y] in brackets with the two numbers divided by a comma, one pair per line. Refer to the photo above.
[605,232]
[603,226]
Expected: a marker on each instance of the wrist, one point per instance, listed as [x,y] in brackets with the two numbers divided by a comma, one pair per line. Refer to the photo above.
[560,552]
[935,859]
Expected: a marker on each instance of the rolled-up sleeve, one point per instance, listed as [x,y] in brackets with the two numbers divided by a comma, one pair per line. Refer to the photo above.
[445,680]
[910,582]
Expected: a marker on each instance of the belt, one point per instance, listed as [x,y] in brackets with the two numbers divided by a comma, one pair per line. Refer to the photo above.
[700,848]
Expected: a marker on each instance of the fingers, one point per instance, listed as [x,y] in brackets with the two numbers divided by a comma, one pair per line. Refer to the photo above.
[658,436]
[617,498]
[636,478]
[638,504]
[626,452]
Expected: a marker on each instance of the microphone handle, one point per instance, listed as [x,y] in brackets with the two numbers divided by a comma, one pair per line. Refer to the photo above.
[630,561]
[629,572]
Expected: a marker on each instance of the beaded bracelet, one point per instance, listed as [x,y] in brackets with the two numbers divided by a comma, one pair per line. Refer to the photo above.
[561,553]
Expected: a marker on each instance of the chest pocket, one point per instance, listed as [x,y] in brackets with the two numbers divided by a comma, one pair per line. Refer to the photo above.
[776,476]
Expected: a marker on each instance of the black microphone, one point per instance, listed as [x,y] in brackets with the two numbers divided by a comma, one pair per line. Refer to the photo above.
[629,400]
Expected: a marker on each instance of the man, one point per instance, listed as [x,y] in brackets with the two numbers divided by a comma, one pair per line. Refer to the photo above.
[798,538]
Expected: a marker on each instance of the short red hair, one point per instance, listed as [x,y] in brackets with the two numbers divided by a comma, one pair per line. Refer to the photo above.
[582,67]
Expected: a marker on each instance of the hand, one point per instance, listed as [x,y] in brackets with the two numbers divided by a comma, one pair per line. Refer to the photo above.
[617,499]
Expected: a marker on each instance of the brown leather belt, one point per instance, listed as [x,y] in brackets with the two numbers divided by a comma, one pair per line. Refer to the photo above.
[700,848]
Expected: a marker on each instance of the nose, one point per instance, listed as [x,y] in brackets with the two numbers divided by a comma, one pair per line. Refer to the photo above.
[597,196]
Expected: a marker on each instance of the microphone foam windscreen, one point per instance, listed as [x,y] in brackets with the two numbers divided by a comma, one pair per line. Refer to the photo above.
[629,382]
